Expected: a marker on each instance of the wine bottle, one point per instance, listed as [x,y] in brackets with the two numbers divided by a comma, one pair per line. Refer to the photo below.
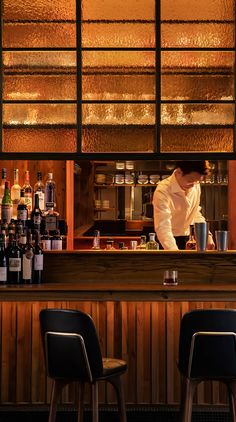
[40,190]
[22,210]
[14,263]
[27,260]
[37,260]
[2,185]
[15,193]
[36,215]
[7,203]
[50,192]
[28,192]
[3,261]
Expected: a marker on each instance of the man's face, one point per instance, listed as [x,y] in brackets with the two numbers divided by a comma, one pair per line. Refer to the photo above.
[187,181]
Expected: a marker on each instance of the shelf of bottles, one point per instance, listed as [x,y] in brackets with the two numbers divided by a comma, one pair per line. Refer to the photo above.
[150,77]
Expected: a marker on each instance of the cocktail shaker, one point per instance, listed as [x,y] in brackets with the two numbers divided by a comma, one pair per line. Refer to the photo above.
[201,235]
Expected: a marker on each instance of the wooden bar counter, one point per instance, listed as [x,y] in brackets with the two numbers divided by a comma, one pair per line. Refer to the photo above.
[137,318]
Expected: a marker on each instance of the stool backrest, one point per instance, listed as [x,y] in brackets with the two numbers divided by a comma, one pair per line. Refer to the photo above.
[71,346]
[207,344]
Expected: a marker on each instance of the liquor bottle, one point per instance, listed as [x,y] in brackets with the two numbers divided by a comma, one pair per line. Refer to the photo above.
[50,192]
[96,240]
[40,190]
[27,192]
[2,186]
[27,260]
[143,242]
[19,229]
[22,210]
[152,244]
[37,260]
[36,215]
[56,240]
[7,203]
[46,241]
[3,261]
[12,227]
[15,193]
[191,244]
[13,253]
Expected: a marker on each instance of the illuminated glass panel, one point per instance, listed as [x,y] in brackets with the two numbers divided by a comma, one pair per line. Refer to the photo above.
[39,114]
[118,114]
[199,35]
[39,140]
[197,10]
[118,10]
[118,87]
[196,140]
[39,10]
[197,114]
[197,87]
[44,61]
[39,87]
[118,60]
[197,60]
[39,35]
[136,35]
[123,139]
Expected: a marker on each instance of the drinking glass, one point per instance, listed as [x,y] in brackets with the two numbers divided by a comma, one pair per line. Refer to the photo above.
[170,277]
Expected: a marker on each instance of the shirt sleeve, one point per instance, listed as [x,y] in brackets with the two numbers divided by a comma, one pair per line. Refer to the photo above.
[162,220]
[199,218]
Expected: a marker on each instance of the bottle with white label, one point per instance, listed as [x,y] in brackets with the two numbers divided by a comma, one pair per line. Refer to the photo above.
[28,192]
[36,215]
[22,210]
[3,261]
[40,190]
[27,259]
[7,203]
[56,240]
[15,193]
[37,260]
[46,241]
[14,256]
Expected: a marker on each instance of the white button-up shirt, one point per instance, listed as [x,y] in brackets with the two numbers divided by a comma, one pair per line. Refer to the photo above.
[174,211]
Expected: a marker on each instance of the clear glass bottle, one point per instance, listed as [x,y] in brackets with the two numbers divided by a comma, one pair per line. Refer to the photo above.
[143,242]
[2,186]
[152,244]
[28,191]
[191,244]
[39,188]
[7,203]
[15,193]
[96,240]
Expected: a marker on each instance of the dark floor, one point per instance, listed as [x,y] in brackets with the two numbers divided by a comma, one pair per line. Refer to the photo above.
[112,416]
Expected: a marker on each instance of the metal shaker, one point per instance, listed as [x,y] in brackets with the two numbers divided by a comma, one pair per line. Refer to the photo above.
[201,235]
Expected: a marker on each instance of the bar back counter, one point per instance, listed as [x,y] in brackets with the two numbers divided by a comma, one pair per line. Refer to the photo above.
[137,319]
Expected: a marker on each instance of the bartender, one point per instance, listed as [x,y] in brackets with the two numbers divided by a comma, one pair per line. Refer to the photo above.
[176,204]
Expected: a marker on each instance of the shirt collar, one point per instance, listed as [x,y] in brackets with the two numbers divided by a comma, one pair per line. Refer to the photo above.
[175,187]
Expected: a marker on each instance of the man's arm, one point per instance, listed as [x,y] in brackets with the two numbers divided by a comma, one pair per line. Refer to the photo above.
[162,220]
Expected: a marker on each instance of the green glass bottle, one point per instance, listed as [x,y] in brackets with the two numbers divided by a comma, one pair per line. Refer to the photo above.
[7,203]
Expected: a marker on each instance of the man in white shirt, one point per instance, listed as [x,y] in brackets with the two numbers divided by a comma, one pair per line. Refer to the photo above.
[176,204]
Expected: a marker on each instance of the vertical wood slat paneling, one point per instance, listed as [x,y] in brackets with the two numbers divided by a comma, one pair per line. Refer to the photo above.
[143,333]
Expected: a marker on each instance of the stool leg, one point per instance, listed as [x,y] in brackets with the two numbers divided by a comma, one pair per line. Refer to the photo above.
[232,398]
[187,393]
[95,401]
[117,384]
[56,390]
[80,401]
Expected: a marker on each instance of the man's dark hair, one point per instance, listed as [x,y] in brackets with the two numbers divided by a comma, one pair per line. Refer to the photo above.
[201,167]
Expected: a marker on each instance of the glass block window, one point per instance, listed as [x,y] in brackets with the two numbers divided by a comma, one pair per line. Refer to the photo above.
[103,77]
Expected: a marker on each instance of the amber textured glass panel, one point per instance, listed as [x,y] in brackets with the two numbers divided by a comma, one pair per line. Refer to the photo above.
[39,10]
[39,140]
[197,9]
[196,140]
[118,10]
[123,139]
[30,61]
[39,35]
[39,87]
[118,114]
[39,114]
[118,87]
[113,35]
[197,60]
[197,114]
[118,59]
[210,35]
[197,87]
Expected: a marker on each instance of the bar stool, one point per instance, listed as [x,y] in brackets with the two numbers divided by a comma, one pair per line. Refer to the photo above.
[72,353]
[207,351]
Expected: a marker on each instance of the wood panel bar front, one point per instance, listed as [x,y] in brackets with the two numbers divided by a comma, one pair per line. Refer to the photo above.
[137,319]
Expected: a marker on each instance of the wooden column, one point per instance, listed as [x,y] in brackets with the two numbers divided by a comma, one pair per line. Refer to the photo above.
[232,203]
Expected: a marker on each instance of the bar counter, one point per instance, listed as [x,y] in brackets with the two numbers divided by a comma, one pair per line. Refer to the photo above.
[137,319]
